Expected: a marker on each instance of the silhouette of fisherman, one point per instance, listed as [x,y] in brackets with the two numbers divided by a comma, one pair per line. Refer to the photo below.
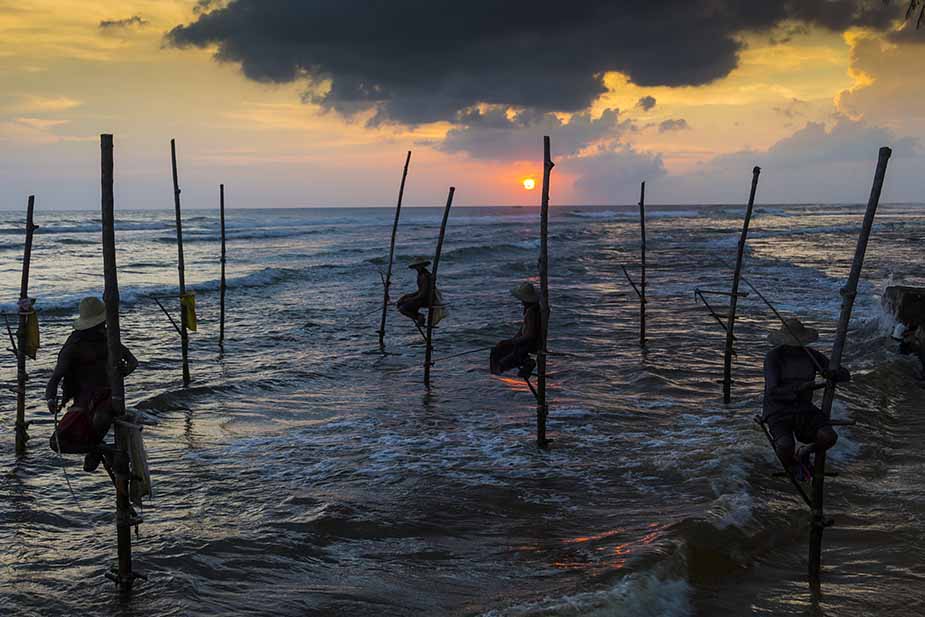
[515,352]
[911,338]
[409,305]
[789,382]
[82,365]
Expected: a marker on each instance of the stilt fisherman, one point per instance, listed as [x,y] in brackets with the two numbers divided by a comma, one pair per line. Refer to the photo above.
[515,352]
[789,412]
[82,365]
[409,305]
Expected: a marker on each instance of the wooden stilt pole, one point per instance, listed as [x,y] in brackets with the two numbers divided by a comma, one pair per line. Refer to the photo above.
[124,577]
[848,293]
[433,289]
[181,267]
[642,280]
[21,425]
[221,287]
[734,296]
[542,408]
[387,282]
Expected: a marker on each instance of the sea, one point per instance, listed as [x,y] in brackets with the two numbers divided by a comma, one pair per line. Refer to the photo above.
[302,472]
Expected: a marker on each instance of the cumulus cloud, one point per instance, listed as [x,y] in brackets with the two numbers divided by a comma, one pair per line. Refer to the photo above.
[134,21]
[612,174]
[646,103]
[497,134]
[814,164]
[673,124]
[416,61]
[891,92]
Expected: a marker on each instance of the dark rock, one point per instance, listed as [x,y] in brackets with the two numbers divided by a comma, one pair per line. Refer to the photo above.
[905,304]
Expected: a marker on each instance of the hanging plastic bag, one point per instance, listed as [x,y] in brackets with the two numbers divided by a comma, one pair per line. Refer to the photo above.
[140,477]
[188,304]
[31,344]
[440,309]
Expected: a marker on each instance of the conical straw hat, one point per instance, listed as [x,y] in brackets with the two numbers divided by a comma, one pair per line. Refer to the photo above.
[526,292]
[794,333]
[92,313]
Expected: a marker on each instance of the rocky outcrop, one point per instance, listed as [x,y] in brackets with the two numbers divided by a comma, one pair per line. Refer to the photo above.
[905,304]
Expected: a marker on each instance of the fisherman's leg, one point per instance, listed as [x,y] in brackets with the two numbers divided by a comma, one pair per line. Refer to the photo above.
[500,350]
[814,429]
[781,430]
[826,437]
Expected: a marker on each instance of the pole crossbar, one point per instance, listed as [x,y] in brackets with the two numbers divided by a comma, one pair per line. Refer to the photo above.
[169,316]
[630,281]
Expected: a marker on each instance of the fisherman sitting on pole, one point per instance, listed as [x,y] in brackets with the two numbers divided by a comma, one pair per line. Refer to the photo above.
[82,364]
[410,304]
[515,352]
[789,372]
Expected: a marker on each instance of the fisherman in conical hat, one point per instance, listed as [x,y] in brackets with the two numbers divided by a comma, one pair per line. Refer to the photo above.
[82,365]
[515,352]
[789,382]
[409,305]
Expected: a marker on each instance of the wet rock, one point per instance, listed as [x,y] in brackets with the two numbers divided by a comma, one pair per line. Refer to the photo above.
[906,304]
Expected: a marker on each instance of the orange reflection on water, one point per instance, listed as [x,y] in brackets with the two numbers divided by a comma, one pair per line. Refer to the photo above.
[514,383]
[597,536]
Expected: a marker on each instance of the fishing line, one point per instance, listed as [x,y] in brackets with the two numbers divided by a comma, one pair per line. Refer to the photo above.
[61,460]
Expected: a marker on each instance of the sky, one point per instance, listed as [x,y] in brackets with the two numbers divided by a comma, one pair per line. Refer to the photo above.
[314,103]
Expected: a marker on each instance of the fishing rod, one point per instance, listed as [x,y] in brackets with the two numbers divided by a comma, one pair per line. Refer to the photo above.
[790,331]
[462,353]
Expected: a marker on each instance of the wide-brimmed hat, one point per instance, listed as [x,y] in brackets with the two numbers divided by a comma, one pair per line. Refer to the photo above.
[794,333]
[92,314]
[419,261]
[526,292]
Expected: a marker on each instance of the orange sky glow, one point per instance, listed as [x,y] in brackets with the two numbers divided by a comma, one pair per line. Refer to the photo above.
[65,79]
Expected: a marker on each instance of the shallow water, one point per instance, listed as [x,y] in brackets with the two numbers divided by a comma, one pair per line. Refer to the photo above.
[302,474]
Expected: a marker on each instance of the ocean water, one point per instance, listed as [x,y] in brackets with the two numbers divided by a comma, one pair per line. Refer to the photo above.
[303,474]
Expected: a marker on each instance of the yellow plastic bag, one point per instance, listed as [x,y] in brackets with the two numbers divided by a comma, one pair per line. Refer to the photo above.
[32,334]
[188,304]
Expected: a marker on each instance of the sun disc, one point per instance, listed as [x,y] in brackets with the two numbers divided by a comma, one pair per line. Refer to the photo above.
[529,184]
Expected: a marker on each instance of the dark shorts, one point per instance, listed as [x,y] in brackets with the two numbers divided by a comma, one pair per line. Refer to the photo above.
[803,425]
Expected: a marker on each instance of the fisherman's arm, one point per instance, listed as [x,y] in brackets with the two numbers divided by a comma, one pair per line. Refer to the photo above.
[530,329]
[842,375]
[51,390]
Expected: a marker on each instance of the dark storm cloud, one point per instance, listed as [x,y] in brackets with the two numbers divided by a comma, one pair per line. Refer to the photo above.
[128,22]
[495,135]
[673,124]
[425,60]
[646,103]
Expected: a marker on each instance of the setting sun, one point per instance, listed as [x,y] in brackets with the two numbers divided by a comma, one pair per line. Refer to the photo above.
[529,183]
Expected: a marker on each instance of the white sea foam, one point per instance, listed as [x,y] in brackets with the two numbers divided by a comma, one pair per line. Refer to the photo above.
[638,595]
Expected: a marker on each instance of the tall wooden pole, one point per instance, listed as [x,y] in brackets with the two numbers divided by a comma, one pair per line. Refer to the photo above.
[642,281]
[433,288]
[21,377]
[734,296]
[184,337]
[388,273]
[124,575]
[542,409]
[848,293]
[221,287]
